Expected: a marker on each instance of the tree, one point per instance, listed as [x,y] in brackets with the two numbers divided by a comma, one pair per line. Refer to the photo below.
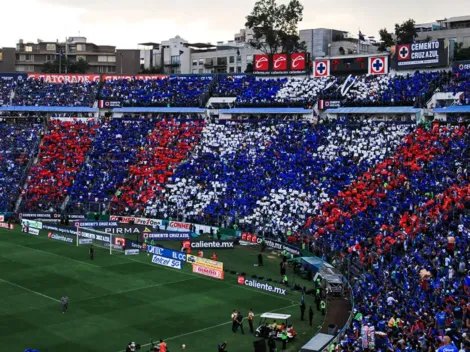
[406,32]
[151,71]
[341,50]
[249,68]
[460,53]
[80,66]
[275,26]
[386,40]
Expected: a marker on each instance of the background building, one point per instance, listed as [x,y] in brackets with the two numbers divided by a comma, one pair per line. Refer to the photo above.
[455,29]
[7,59]
[322,42]
[31,57]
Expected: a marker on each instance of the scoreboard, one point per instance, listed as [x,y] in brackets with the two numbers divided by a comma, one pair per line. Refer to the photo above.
[349,65]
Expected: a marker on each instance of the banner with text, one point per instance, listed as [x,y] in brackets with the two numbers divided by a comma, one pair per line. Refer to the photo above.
[420,55]
[211,272]
[65,78]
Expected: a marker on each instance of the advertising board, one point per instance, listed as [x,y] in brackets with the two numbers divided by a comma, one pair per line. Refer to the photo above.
[31,223]
[136,221]
[170,263]
[271,243]
[205,262]
[280,64]
[5,225]
[223,244]
[95,224]
[433,53]
[30,230]
[64,78]
[211,272]
[261,286]
[131,252]
[167,253]
[62,238]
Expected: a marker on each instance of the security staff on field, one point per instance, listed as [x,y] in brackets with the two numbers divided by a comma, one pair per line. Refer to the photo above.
[284,339]
[251,315]
[310,315]
[323,307]
[302,310]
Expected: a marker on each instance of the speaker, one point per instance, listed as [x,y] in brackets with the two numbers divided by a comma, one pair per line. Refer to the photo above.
[259,345]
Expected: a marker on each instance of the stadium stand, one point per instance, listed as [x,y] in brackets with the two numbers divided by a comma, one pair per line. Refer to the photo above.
[169,143]
[37,92]
[18,143]
[174,91]
[6,87]
[61,155]
[114,149]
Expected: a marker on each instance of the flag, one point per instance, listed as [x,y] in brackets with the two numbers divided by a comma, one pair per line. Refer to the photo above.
[361,37]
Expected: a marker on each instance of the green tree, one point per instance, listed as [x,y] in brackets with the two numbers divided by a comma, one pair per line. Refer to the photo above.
[66,65]
[386,40]
[406,32]
[249,68]
[275,26]
[341,50]
[151,70]
[461,53]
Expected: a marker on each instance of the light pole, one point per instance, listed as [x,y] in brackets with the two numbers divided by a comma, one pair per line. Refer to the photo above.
[121,61]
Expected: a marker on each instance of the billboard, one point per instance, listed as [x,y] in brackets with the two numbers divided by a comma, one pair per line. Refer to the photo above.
[167,253]
[211,272]
[170,263]
[205,262]
[461,65]
[127,77]
[7,226]
[50,216]
[12,76]
[168,236]
[261,285]
[378,65]
[280,64]
[321,68]
[271,243]
[136,221]
[345,66]
[222,244]
[327,104]
[106,104]
[64,78]
[434,53]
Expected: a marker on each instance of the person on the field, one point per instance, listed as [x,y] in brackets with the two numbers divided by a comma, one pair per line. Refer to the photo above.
[91,251]
[65,304]
[251,316]
[240,323]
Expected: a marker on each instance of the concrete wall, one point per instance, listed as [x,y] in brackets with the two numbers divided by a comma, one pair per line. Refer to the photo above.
[7,63]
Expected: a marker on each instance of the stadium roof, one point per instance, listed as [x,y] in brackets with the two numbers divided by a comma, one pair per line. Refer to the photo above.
[161,110]
[455,109]
[375,110]
[253,111]
[47,109]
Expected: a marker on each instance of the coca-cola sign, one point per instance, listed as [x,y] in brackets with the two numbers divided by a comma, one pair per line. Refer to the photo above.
[261,63]
[280,62]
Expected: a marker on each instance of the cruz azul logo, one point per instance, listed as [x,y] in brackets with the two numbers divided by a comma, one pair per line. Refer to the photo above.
[262,286]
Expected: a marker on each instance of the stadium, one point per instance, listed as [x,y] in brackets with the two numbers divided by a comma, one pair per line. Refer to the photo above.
[315,202]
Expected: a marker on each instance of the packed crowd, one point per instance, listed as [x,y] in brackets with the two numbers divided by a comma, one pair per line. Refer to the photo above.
[172,91]
[114,149]
[405,225]
[18,144]
[269,175]
[167,145]
[6,87]
[37,92]
[61,155]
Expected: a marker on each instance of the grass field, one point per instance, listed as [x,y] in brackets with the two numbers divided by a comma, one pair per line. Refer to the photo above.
[116,299]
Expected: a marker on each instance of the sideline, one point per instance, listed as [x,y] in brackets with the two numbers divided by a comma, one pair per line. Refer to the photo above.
[208,328]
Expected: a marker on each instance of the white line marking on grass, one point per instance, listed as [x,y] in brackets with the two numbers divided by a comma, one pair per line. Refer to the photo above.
[32,291]
[208,328]
[52,253]
[136,289]
[209,279]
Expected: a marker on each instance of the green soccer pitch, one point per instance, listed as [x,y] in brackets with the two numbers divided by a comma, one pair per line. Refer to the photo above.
[116,299]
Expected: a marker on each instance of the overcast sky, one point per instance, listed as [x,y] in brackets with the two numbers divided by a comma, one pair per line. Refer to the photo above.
[125,23]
